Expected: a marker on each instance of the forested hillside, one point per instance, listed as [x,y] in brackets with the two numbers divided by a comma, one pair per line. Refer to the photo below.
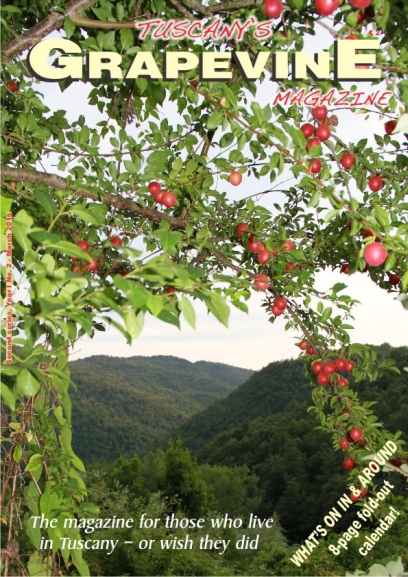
[123,404]
[268,392]
[272,390]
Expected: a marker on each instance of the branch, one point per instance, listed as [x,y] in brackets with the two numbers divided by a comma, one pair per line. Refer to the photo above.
[51,22]
[232,4]
[55,181]
[181,8]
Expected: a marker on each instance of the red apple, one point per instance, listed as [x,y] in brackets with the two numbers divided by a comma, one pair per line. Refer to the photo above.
[340,364]
[349,367]
[287,245]
[154,188]
[273,8]
[356,434]
[344,444]
[354,498]
[241,229]
[389,126]
[394,278]
[315,166]
[323,132]
[169,199]
[290,266]
[375,183]
[303,345]
[255,245]
[264,256]
[158,197]
[261,282]
[348,463]
[320,112]
[75,268]
[235,178]
[326,7]
[310,350]
[352,37]
[363,492]
[83,244]
[317,367]
[12,85]
[375,254]
[345,269]
[329,368]
[361,16]
[281,303]
[116,240]
[276,311]
[170,290]
[91,266]
[347,160]
[312,142]
[323,379]
[360,3]
[307,129]
[343,382]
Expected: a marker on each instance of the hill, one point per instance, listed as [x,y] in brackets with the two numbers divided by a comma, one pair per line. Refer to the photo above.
[267,392]
[123,404]
[271,391]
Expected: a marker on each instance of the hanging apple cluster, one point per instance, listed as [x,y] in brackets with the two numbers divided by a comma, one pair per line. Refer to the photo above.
[92,265]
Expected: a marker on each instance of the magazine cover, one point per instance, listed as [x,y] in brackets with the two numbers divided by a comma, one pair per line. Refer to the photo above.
[204,243]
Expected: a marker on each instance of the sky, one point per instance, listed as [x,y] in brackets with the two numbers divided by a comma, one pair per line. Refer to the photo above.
[250,341]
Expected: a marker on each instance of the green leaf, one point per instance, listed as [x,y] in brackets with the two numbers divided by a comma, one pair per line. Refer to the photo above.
[37,567]
[22,224]
[130,166]
[326,314]
[229,95]
[84,214]
[79,562]
[27,384]
[69,27]
[134,322]
[314,201]
[17,453]
[188,311]
[215,119]
[126,38]
[331,214]
[382,216]
[34,463]
[8,396]
[157,91]
[217,305]
[157,160]
[169,239]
